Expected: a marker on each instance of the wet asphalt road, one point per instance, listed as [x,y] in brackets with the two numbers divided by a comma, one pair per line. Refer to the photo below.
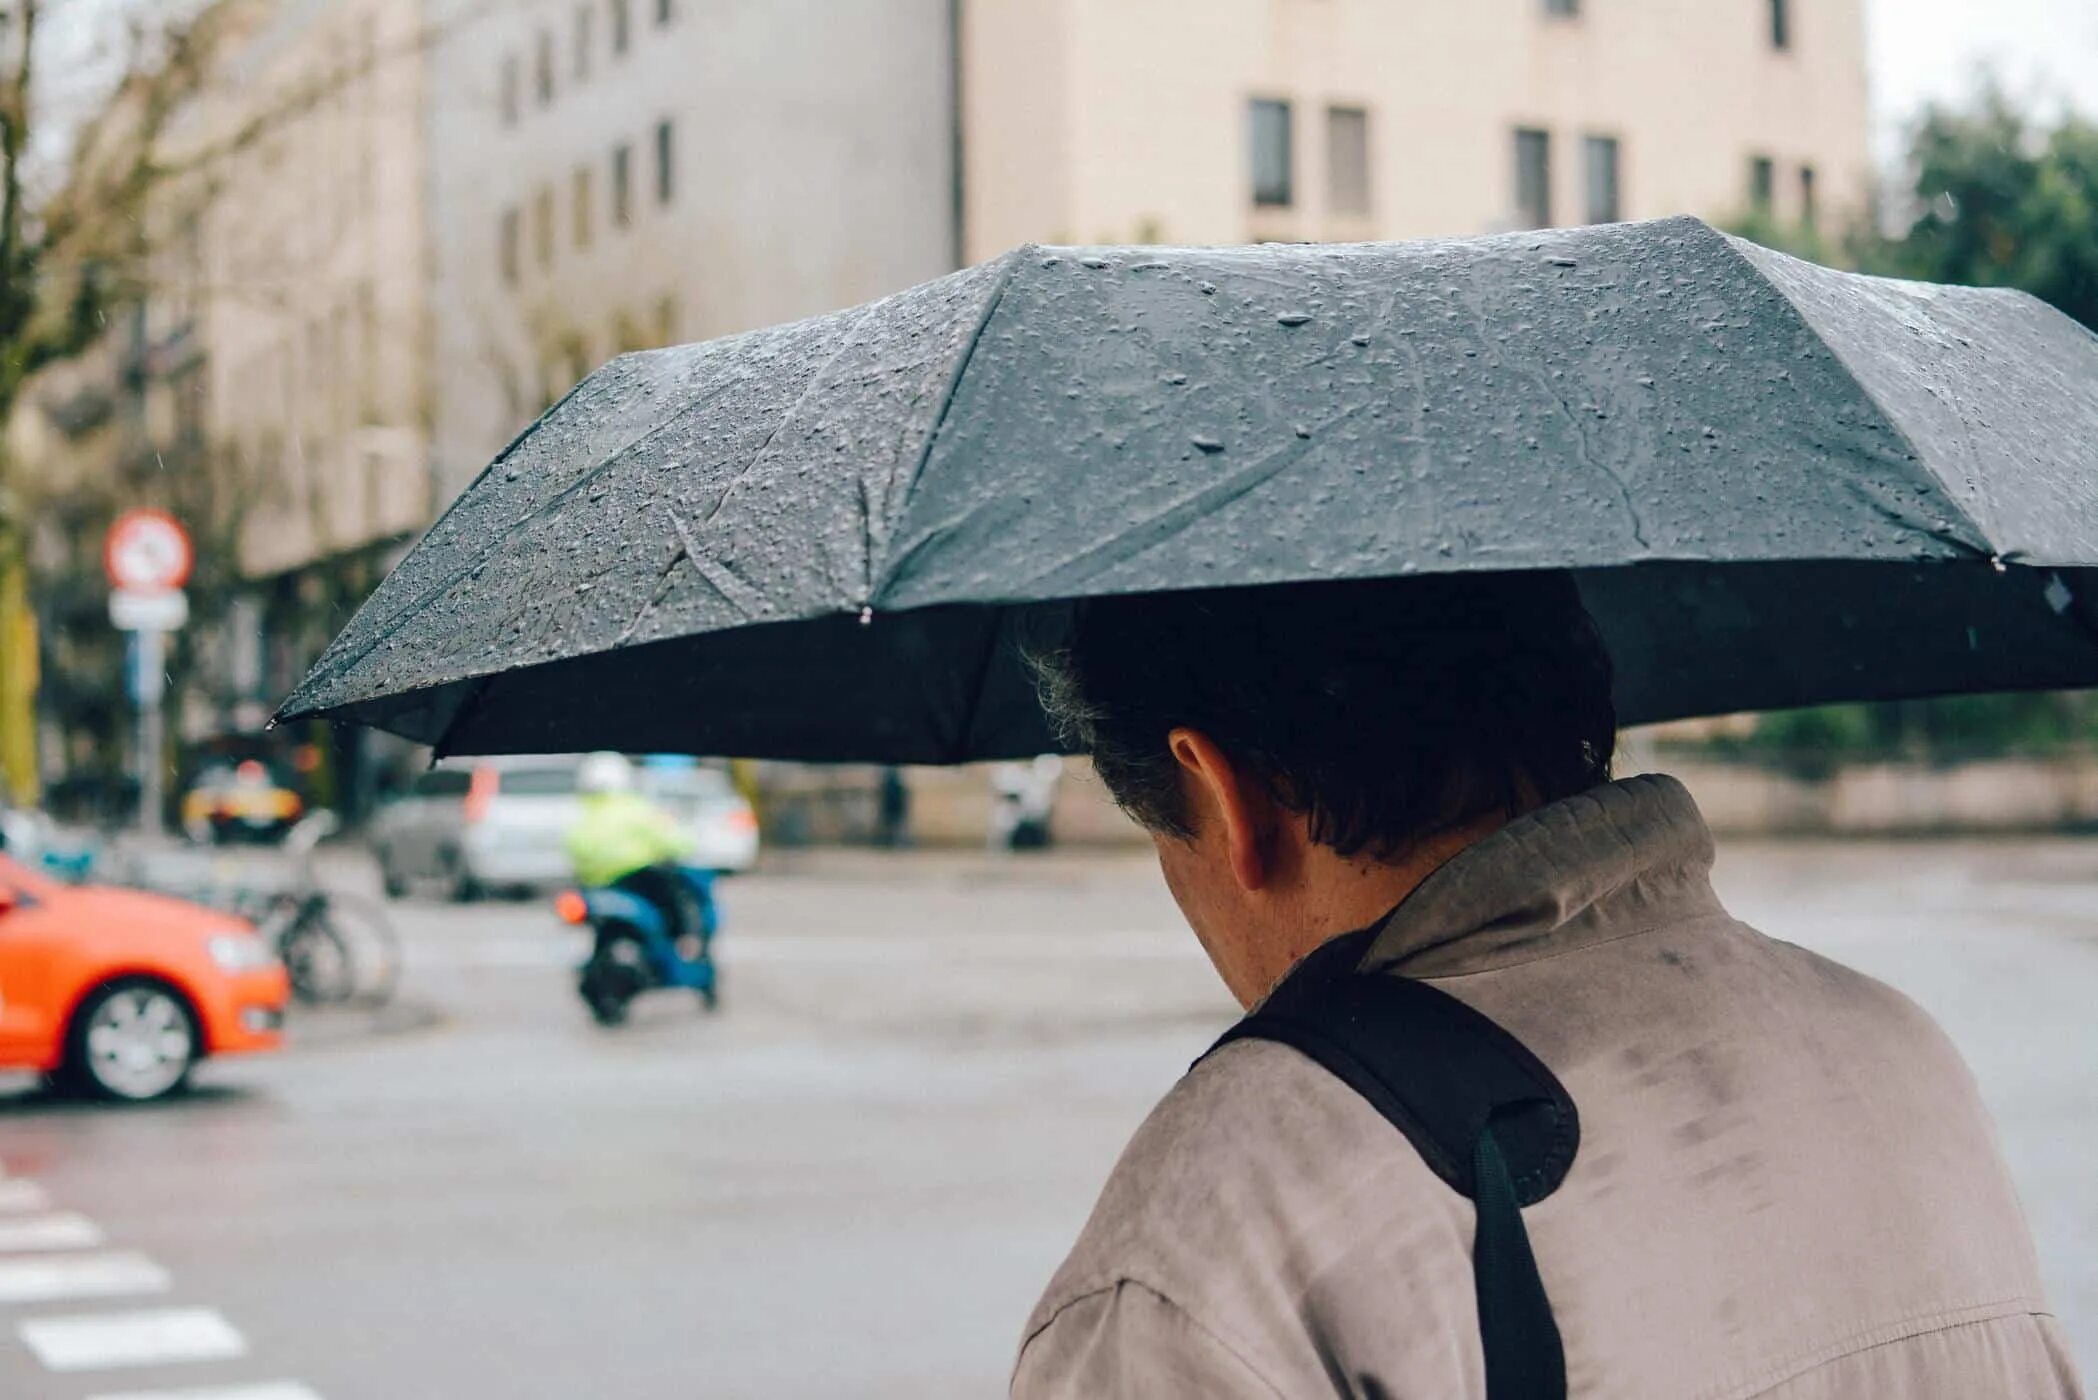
[855,1178]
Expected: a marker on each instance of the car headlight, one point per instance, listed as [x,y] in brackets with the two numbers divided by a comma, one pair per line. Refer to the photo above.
[241,952]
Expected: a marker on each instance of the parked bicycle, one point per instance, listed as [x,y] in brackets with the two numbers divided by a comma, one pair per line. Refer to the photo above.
[334,946]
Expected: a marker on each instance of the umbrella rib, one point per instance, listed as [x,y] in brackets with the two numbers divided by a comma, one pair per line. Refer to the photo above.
[958,750]
[422,600]
[687,546]
[1180,514]
[932,434]
[1937,530]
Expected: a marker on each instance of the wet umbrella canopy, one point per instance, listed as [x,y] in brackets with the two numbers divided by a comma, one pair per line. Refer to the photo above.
[1778,484]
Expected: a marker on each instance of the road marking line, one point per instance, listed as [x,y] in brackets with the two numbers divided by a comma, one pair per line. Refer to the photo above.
[268,1390]
[91,1342]
[109,1275]
[63,1229]
[17,1194]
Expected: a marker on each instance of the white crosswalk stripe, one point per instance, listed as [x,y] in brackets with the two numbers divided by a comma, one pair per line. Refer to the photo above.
[66,1276]
[268,1390]
[93,1341]
[17,1194]
[63,1229]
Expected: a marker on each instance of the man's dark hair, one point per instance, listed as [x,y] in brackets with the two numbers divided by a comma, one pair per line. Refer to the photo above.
[1385,710]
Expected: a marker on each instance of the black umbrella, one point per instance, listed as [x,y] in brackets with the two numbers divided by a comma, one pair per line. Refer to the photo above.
[834,539]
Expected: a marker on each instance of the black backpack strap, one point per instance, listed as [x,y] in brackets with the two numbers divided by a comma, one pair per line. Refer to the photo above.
[1483,1112]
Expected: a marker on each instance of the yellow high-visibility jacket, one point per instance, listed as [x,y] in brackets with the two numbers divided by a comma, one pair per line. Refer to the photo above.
[619,833]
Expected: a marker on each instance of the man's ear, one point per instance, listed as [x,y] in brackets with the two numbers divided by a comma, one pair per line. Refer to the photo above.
[1225,793]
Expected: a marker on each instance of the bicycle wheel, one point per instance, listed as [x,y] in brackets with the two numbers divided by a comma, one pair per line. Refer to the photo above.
[375,948]
[318,959]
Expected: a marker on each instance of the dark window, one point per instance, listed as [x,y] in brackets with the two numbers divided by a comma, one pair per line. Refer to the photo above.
[666,11]
[443,782]
[666,320]
[666,165]
[1533,177]
[1272,166]
[1808,213]
[507,257]
[1600,177]
[1348,160]
[544,76]
[622,23]
[1563,9]
[536,782]
[585,31]
[543,225]
[585,194]
[507,83]
[1780,24]
[622,184]
[1762,182]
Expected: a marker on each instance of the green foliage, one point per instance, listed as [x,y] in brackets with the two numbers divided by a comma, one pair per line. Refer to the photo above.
[2000,202]
[1813,742]
[2005,204]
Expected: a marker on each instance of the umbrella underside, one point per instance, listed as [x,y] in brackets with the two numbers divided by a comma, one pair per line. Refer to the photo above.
[953,683]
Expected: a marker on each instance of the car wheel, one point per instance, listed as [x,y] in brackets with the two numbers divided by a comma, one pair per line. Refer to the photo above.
[389,876]
[133,1040]
[466,889]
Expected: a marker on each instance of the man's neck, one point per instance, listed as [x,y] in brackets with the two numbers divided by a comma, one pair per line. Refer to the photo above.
[1346,893]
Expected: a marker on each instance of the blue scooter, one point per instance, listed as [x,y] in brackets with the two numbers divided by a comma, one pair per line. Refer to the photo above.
[632,950]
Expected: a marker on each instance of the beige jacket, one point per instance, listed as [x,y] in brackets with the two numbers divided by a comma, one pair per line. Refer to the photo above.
[1786,1187]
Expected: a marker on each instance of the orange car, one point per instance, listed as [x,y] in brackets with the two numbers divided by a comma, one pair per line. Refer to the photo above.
[118,994]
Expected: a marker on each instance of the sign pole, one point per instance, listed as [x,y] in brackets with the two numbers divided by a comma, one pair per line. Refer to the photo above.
[150,684]
[147,555]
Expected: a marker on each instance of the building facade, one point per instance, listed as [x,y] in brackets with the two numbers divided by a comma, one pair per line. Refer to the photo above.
[1231,121]
[407,226]
[610,175]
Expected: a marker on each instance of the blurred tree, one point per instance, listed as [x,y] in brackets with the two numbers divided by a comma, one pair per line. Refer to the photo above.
[1996,200]
[2004,203]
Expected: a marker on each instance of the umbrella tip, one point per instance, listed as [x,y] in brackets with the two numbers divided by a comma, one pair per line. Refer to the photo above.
[866,616]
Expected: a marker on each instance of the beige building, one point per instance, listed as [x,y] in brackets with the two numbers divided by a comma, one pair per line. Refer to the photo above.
[608,175]
[1228,121]
[310,304]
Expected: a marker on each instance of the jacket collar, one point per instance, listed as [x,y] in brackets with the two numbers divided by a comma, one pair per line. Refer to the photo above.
[1616,860]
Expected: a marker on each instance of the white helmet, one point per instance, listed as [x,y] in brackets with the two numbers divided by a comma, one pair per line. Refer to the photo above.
[605,772]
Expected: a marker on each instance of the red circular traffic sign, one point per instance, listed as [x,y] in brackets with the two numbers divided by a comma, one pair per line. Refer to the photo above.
[147,551]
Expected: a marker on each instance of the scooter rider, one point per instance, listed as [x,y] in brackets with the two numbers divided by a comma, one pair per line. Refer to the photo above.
[623,840]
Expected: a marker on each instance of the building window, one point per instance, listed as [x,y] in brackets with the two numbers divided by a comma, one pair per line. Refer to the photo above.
[1780,25]
[1762,183]
[543,225]
[1808,212]
[508,253]
[1348,160]
[666,320]
[666,11]
[543,81]
[1533,177]
[1563,9]
[622,185]
[584,193]
[666,166]
[507,83]
[1272,169]
[622,23]
[585,31]
[1599,167]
